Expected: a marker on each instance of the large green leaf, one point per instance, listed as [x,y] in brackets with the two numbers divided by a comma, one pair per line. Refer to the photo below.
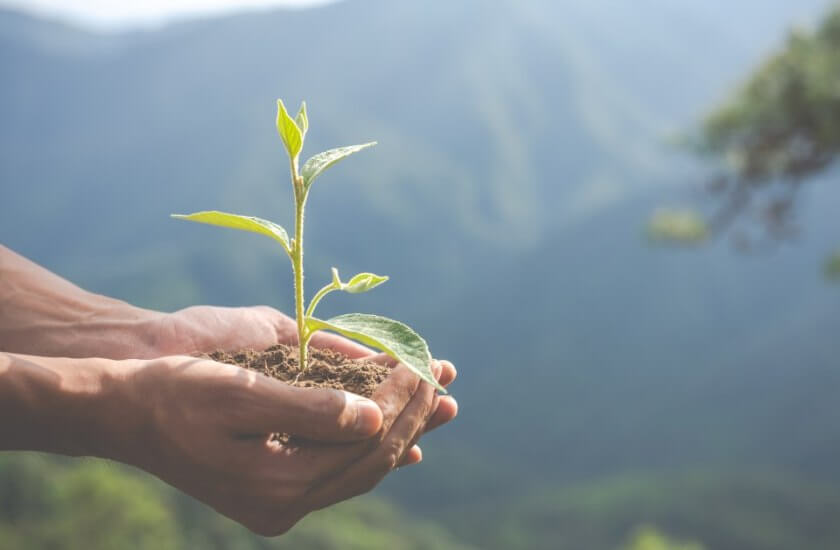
[287,128]
[313,167]
[244,223]
[394,338]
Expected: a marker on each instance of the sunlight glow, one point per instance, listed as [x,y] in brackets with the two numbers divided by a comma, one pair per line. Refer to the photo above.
[120,14]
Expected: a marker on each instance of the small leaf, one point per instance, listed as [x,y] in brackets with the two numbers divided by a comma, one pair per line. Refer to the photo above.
[302,120]
[335,278]
[313,167]
[244,223]
[363,282]
[288,130]
[392,337]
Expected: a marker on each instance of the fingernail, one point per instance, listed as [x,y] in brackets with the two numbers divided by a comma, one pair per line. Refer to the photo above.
[436,370]
[368,416]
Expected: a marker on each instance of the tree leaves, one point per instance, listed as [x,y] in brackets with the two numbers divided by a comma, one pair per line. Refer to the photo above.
[313,167]
[677,226]
[394,338]
[243,223]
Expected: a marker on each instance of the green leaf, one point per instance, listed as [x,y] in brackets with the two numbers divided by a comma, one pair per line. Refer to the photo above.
[313,167]
[302,120]
[244,223]
[288,130]
[363,282]
[394,338]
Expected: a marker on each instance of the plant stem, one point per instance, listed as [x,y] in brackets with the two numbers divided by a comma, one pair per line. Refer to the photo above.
[297,266]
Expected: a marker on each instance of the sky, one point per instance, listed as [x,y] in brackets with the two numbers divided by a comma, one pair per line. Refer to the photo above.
[121,14]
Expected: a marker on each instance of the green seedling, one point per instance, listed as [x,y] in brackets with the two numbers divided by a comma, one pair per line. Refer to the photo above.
[392,337]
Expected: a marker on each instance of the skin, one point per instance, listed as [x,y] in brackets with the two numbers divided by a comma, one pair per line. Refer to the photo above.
[85,375]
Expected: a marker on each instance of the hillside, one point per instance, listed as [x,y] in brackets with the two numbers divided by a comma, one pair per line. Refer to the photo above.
[520,153]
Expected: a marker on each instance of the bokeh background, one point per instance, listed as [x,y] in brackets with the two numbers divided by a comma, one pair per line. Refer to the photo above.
[615,393]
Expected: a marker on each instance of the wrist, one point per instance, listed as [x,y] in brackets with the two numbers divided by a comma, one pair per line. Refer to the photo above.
[74,407]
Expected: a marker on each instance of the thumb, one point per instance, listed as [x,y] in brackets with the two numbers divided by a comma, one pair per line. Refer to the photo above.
[320,414]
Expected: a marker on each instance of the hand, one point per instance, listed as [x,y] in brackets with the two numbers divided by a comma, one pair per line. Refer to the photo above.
[42,314]
[202,329]
[207,425]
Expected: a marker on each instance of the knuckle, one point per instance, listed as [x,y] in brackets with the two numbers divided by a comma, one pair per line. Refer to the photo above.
[331,404]
[390,457]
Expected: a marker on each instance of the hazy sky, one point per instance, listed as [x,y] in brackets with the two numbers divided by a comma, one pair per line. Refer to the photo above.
[128,13]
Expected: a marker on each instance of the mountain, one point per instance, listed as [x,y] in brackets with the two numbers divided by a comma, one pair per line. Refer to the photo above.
[522,146]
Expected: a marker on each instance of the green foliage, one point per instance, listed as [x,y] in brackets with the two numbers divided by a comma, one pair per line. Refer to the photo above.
[243,223]
[91,505]
[721,510]
[648,537]
[785,122]
[54,503]
[392,337]
[359,283]
[313,167]
[780,128]
[302,120]
[367,524]
[288,129]
[832,267]
[677,226]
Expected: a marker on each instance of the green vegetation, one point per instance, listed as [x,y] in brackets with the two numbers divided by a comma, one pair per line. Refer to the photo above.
[780,129]
[690,510]
[394,338]
[677,225]
[832,267]
[52,503]
[512,201]
[647,537]
[785,121]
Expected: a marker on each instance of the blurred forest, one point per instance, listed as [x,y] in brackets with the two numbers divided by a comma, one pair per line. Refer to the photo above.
[613,395]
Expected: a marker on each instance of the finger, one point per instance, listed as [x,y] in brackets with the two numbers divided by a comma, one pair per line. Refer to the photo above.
[320,414]
[413,456]
[394,394]
[446,411]
[365,474]
[448,373]
[416,438]
[340,344]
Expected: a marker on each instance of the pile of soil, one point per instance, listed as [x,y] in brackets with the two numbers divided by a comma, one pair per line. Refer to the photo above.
[326,369]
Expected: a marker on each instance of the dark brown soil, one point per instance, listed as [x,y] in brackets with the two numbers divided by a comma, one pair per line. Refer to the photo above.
[327,368]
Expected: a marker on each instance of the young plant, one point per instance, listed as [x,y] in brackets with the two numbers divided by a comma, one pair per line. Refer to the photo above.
[394,338]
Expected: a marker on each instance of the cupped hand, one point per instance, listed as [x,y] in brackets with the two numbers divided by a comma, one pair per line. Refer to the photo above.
[202,329]
[206,429]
